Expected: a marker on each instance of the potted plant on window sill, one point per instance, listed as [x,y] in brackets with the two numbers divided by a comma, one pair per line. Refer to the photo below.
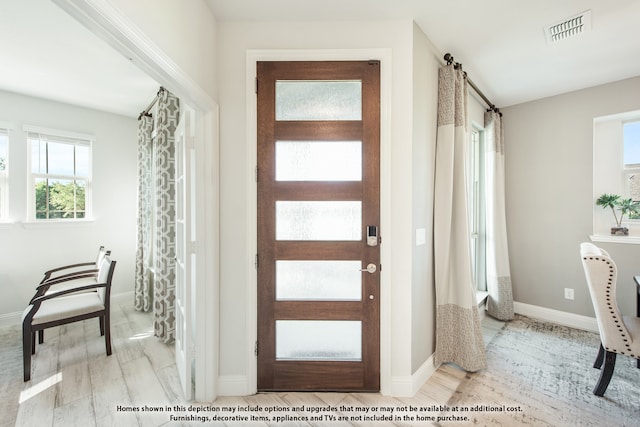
[625,206]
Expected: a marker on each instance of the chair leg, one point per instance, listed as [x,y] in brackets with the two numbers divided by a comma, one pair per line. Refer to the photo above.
[27,337]
[600,358]
[101,319]
[606,373]
[107,332]
[41,336]
[33,343]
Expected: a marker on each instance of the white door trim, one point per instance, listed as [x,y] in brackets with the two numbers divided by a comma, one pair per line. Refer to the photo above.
[110,24]
[384,56]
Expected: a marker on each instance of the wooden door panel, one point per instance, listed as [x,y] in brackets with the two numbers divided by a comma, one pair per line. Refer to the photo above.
[318,310]
[317,250]
[338,191]
[318,130]
[318,376]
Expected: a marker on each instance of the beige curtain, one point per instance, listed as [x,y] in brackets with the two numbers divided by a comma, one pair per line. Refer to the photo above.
[155,256]
[458,330]
[500,300]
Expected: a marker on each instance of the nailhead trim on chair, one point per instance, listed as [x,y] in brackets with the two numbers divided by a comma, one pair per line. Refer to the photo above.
[595,281]
[613,314]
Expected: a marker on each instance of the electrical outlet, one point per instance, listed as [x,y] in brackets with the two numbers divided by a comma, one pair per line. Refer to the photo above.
[568,293]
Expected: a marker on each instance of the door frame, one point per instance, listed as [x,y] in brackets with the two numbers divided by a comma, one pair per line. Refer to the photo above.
[251,308]
[108,23]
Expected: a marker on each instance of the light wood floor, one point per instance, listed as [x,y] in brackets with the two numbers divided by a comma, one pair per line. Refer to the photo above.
[75,384]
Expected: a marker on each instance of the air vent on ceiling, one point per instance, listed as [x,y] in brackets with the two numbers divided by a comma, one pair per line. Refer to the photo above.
[569,28]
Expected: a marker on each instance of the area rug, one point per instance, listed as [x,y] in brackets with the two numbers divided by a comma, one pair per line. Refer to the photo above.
[542,374]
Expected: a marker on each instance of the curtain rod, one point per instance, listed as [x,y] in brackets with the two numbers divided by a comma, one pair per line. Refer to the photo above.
[145,112]
[449,58]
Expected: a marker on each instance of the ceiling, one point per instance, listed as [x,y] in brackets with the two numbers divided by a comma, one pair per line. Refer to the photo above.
[501,45]
[52,56]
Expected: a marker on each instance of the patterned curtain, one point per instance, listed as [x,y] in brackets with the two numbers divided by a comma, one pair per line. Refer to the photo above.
[458,330]
[155,260]
[500,300]
[143,278]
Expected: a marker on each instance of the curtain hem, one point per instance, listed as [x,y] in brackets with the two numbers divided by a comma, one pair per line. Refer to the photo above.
[459,338]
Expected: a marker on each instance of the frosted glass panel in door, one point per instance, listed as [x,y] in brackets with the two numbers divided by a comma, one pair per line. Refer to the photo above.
[331,220]
[318,280]
[318,100]
[318,161]
[319,340]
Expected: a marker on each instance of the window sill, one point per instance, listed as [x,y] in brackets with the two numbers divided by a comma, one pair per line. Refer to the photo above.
[607,238]
[57,223]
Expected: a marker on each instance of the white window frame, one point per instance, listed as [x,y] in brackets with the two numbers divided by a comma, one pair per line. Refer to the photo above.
[55,135]
[5,129]
[629,169]
[609,175]
[477,218]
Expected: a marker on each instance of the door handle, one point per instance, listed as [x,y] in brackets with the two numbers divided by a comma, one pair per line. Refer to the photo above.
[371,268]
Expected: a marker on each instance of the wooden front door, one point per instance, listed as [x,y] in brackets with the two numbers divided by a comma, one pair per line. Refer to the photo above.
[318,225]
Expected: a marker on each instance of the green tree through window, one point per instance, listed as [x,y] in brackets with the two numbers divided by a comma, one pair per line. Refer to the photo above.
[59,200]
[60,176]
[631,160]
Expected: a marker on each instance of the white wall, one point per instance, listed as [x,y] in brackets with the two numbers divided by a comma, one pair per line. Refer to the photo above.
[425,109]
[27,250]
[549,200]
[184,30]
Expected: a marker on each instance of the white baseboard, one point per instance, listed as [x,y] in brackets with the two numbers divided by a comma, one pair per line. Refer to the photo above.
[577,321]
[123,297]
[423,374]
[10,319]
[408,386]
[233,385]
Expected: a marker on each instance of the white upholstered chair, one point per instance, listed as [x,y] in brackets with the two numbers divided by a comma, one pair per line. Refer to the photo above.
[72,304]
[68,272]
[69,276]
[618,334]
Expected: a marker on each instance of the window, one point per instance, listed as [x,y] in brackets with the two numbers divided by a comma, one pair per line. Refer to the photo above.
[476,208]
[60,179]
[631,162]
[4,170]
[616,170]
